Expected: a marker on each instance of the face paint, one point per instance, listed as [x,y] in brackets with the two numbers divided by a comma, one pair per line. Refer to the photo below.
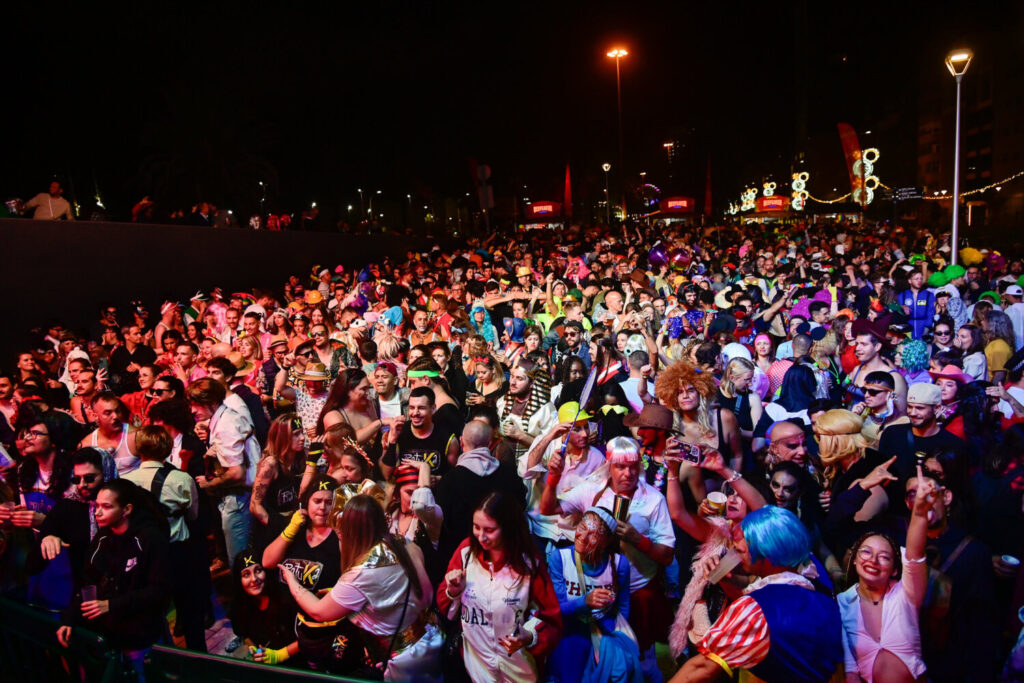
[592,538]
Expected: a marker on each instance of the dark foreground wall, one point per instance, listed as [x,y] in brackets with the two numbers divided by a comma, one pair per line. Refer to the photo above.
[64,270]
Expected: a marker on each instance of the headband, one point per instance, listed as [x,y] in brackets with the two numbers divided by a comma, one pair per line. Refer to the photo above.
[482,360]
[406,474]
[248,561]
[604,516]
[422,373]
[358,450]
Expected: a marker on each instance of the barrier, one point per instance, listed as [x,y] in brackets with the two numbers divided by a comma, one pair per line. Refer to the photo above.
[30,651]
[171,665]
[64,270]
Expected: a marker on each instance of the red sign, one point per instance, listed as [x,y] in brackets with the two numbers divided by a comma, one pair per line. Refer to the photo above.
[545,209]
[773,203]
[677,204]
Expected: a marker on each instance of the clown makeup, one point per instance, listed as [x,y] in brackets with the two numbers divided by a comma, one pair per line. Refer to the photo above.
[592,538]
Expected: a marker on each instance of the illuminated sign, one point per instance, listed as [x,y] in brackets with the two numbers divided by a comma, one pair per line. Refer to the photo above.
[677,204]
[773,203]
[544,209]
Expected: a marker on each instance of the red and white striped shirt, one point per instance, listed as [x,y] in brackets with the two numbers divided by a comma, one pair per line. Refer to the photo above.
[740,635]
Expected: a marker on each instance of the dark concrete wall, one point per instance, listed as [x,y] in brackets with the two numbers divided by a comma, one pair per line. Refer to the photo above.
[64,270]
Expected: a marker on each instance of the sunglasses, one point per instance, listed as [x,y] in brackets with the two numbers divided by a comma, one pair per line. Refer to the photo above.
[942,333]
[875,392]
[319,334]
[305,354]
[84,479]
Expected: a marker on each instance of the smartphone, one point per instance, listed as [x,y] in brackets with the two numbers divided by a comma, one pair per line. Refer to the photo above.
[689,452]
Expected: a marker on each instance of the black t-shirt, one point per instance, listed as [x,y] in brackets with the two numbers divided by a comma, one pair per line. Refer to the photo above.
[449,419]
[317,568]
[431,449]
[900,441]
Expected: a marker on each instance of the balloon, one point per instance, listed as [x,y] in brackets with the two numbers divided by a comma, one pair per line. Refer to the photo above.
[657,257]
[678,259]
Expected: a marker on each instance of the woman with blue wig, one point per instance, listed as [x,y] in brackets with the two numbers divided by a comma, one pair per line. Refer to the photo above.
[481,322]
[784,627]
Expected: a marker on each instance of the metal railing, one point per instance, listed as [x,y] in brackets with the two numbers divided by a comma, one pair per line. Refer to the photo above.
[30,653]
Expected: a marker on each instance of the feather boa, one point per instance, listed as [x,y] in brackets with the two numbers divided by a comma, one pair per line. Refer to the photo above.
[719,540]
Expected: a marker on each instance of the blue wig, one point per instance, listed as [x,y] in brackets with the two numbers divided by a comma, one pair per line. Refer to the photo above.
[777,535]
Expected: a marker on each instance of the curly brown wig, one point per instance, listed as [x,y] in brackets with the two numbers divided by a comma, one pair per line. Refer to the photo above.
[680,374]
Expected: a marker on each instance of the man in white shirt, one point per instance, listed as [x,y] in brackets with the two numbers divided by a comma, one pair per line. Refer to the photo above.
[1013,307]
[234,446]
[50,206]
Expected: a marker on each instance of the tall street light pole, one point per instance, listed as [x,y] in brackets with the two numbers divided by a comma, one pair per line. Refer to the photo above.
[362,206]
[617,54]
[607,203]
[957,62]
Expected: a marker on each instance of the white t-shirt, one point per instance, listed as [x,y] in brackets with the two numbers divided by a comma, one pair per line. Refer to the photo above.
[376,595]
[648,514]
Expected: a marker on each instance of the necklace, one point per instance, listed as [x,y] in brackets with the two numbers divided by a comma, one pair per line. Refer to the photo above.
[867,597]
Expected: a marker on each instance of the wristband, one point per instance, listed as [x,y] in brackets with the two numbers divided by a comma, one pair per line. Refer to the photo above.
[736,476]
[275,656]
[311,463]
[644,545]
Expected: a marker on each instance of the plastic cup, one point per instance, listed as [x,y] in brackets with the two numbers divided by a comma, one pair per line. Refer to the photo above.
[716,501]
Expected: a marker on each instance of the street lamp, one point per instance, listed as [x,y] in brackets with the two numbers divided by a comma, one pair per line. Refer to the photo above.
[607,209]
[617,53]
[362,207]
[643,189]
[957,62]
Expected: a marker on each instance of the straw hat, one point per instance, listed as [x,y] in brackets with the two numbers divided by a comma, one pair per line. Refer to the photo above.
[315,372]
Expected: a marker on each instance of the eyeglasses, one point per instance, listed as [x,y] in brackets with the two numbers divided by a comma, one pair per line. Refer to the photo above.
[160,392]
[34,433]
[867,554]
[319,334]
[943,333]
[84,479]
[875,392]
[305,354]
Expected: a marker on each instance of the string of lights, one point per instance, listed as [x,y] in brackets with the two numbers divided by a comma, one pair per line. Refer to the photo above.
[829,201]
[998,185]
[978,190]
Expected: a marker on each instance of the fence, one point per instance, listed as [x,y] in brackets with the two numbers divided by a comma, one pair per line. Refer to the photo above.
[30,653]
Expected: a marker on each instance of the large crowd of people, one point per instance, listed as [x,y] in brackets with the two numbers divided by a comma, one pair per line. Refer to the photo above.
[635,453]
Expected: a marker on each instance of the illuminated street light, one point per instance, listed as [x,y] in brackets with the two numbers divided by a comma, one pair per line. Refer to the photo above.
[957,62]
[617,53]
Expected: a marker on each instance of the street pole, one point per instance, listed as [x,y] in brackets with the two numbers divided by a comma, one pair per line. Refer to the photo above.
[956,177]
[622,166]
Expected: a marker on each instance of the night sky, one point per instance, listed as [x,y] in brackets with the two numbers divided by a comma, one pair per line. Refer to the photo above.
[399,96]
